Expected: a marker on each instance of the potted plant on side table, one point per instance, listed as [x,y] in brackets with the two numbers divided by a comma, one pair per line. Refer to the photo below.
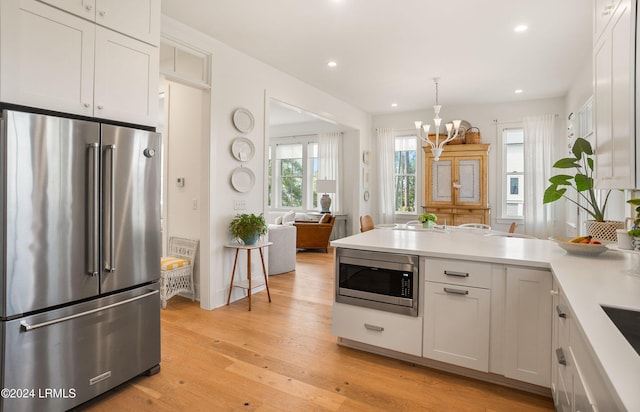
[582,182]
[248,227]
[428,220]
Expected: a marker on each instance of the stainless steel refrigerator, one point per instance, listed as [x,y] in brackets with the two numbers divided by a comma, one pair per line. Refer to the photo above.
[79,259]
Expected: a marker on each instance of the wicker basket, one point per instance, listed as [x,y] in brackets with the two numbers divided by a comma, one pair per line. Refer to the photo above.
[457,140]
[472,136]
[604,230]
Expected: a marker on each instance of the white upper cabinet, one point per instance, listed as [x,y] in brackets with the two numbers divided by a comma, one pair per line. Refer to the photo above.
[613,69]
[126,78]
[139,19]
[47,58]
[602,12]
[54,60]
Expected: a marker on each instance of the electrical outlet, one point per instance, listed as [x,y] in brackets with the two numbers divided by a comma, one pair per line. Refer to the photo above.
[239,204]
[194,204]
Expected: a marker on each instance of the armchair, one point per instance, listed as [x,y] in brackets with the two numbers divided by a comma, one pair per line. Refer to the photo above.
[313,235]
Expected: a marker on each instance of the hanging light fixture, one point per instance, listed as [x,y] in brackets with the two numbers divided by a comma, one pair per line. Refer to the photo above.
[452,129]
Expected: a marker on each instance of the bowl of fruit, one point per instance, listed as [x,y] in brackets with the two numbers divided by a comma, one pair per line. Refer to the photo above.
[582,245]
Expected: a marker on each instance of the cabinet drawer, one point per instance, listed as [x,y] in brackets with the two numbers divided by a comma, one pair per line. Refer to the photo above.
[401,333]
[459,272]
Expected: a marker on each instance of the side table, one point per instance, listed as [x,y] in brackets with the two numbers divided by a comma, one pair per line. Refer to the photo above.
[247,284]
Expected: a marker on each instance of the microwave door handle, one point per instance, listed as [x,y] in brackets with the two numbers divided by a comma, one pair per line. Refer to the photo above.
[110,211]
[93,210]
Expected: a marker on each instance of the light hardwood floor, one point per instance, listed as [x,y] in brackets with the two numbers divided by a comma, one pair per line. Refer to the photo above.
[281,356]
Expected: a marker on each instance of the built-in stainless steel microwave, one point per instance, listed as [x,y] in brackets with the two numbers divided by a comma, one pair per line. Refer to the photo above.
[384,281]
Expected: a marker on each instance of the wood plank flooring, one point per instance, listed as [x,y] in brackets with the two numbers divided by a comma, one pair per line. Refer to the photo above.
[281,356]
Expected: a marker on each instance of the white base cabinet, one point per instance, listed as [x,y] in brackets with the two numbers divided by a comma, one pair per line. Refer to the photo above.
[457,304]
[50,59]
[577,382]
[401,333]
[527,343]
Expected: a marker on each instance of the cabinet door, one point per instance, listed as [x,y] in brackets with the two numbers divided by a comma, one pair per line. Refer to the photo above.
[83,8]
[47,58]
[613,100]
[456,325]
[126,78]
[139,19]
[467,181]
[528,325]
[441,190]
[603,10]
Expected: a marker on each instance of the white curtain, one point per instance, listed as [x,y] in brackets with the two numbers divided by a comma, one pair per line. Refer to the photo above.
[538,168]
[329,163]
[386,185]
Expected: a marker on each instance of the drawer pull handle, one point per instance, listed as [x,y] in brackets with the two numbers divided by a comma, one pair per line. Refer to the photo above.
[458,274]
[561,312]
[456,291]
[560,355]
[373,327]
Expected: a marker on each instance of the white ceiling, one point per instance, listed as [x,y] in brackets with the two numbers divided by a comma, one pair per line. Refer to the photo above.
[389,50]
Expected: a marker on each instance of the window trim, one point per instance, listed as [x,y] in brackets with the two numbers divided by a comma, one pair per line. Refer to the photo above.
[419,175]
[503,173]
[307,177]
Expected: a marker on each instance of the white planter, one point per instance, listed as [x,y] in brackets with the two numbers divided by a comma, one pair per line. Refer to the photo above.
[604,230]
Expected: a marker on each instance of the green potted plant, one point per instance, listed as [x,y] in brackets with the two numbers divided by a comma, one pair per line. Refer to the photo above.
[427,219]
[248,227]
[582,182]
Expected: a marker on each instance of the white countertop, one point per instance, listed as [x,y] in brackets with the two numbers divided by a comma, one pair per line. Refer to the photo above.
[611,279]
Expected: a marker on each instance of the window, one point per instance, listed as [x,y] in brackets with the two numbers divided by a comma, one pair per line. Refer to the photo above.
[405,173]
[513,173]
[292,172]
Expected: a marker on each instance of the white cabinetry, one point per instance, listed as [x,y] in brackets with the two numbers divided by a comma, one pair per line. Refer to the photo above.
[577,380]
[457,303]
[613,69]
[53,60]
[401,333]
[527,316]
[602,12]
[139,19]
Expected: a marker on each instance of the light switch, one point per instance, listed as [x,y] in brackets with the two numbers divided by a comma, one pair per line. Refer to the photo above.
[239,204]
[180,182]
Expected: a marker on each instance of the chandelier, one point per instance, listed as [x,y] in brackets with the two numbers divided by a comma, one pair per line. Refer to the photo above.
[452,129]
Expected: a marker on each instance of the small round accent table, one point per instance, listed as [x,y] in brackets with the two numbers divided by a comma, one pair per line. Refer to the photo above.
[247,284]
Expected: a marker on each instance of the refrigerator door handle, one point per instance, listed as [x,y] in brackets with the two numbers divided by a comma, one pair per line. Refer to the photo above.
[110,210]
[27,327]
[92,241]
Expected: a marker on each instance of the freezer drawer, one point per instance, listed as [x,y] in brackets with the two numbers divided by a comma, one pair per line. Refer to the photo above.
[62,358]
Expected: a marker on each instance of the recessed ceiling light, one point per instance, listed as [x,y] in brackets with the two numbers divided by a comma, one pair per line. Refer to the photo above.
[332,64]
[517,91]
[520,28]
[394,104]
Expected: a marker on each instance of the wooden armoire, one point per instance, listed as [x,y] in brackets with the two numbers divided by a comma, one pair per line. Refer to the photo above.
[456,187]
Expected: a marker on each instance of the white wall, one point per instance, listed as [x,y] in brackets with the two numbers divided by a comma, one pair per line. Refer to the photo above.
[483,117]
[240,81]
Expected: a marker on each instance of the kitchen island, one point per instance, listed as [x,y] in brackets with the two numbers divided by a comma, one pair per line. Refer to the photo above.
[585,283]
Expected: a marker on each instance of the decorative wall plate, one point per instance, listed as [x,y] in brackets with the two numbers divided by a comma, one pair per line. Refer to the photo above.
[243,120]
[242,179]
[242,149]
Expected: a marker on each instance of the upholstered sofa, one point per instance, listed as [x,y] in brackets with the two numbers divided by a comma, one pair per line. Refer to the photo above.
[312,235]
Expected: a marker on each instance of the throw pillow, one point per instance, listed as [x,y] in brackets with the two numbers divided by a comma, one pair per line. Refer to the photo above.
[289,218]
[278,220]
